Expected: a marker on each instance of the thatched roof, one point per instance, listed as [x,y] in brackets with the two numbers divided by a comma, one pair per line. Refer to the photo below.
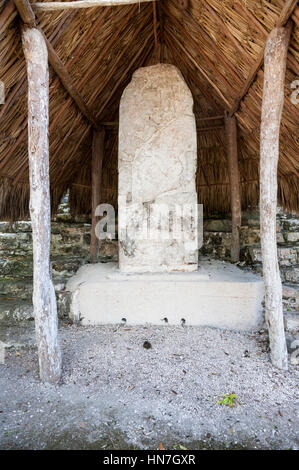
[217,45]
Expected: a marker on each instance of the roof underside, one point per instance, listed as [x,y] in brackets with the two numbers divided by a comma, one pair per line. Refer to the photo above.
[215,45]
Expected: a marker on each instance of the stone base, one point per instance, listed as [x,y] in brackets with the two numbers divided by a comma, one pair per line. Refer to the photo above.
[218,295]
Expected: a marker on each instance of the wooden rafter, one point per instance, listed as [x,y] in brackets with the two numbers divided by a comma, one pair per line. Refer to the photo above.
[199,50]
[161,28]
[69,85]
[218,54]
[116,62]
[29,19]
[79,50]
[155,23]
[225,30]
[119,81]
[286,12]
[25,12]
[224,101]
[203,118]
[83,45]
[56,6]
[17,91]
[22,135]
[5,14]
[95,64]
[283,18]
[127,70]
[176,53]
[21,84]
[107,80]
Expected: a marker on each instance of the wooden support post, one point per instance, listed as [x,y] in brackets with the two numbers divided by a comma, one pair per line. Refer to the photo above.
[44,300]
[96,180]
[272,104]
[233,171]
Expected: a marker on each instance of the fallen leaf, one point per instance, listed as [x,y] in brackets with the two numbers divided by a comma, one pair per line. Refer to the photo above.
[280,413]
[182,447]
[160,446]
[173,391]
[82,425]
[232,430]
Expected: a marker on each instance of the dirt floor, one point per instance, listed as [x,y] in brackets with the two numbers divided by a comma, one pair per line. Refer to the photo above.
[116,394]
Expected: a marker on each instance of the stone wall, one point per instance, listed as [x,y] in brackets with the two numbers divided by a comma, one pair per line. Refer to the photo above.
[217,239]
[70,243]
[70,249]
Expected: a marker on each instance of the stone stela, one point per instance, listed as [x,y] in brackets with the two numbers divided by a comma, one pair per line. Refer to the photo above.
[157,204]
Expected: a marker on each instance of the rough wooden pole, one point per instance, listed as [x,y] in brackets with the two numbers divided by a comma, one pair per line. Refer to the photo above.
[233,171]
[55,6]
[96,180]
[272,104]
[44,300]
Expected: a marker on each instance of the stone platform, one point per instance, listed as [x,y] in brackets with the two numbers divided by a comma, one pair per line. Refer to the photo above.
[219,295]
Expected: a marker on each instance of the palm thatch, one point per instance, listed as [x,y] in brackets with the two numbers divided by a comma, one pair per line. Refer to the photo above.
[216,45]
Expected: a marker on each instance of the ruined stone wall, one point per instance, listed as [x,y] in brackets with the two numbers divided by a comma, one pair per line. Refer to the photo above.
[217,239]
[70,242]
[70,249]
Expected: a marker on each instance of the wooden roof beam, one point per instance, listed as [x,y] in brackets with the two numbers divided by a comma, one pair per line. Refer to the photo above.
[55,6]
[6,13]
[199,50]
[119,81]
[225,30]
[155,24]
[29,19]
[206,37]
[96,62]
[286,12]
[161,37]
[131,64]
[179,60]
[53,162]
[68,84]
[117,61]
[224,101]
[79,50]
[283,18]
[21,83]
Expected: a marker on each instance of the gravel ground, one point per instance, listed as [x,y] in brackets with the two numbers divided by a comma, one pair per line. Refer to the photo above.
[116,394]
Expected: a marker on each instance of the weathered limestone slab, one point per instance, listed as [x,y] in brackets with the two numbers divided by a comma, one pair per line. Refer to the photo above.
[157,167]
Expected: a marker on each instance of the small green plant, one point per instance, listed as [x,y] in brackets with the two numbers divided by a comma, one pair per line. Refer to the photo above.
[228,400]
